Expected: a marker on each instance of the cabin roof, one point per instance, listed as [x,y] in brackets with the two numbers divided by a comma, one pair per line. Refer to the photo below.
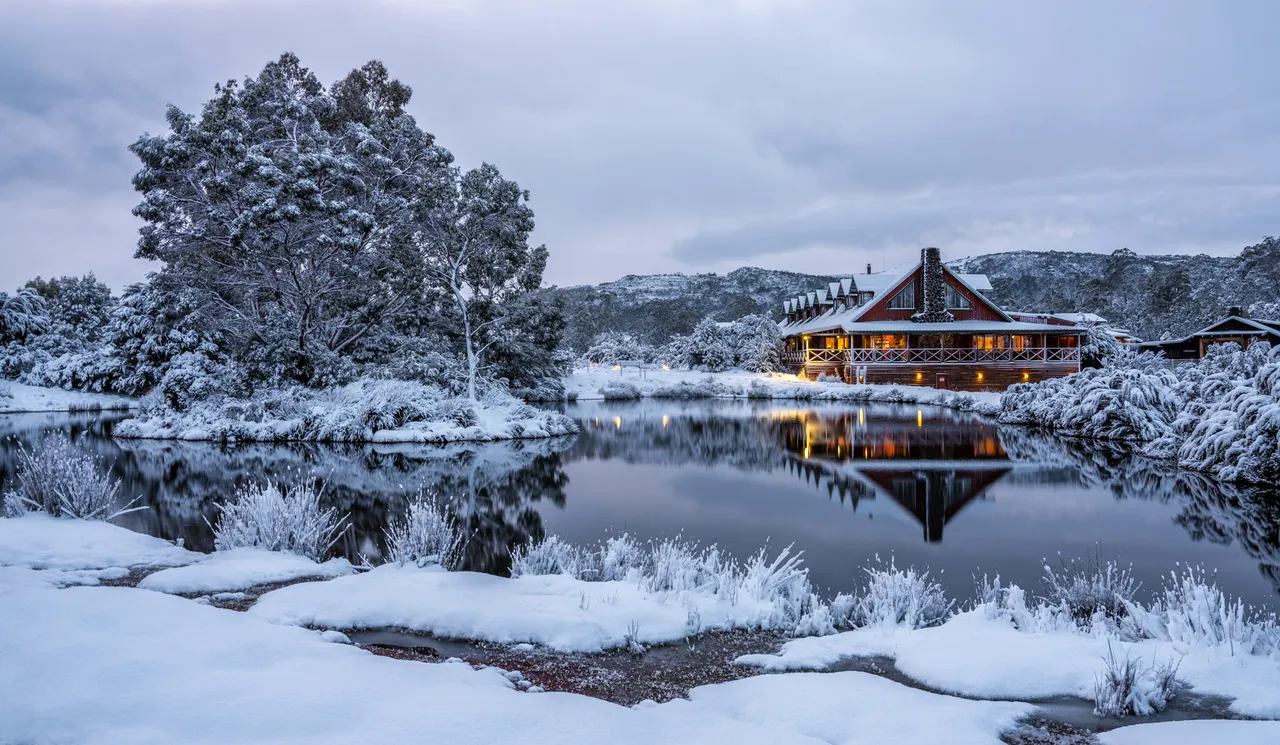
[834,322]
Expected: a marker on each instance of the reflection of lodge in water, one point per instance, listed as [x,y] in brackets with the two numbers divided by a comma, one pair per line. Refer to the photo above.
[932,468]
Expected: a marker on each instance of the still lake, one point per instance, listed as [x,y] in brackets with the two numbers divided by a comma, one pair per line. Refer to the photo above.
[846,484]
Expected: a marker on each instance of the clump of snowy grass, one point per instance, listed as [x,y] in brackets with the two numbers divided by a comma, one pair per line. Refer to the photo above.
[64,480]
[678,567]
[1193,610]
[620,390]
[550,556]
[426,535]
[894,597]
[1087,587]
[1126,687]
[277,517]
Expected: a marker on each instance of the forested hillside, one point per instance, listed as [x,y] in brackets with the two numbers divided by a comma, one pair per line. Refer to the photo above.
[1150,295]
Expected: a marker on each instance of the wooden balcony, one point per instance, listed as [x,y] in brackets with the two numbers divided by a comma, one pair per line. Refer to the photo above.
[932,356]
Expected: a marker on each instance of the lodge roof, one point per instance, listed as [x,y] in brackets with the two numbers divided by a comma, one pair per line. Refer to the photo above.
[836,322]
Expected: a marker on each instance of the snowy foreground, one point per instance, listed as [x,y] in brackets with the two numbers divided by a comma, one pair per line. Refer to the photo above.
[17,398]
[629,383]
[98,664]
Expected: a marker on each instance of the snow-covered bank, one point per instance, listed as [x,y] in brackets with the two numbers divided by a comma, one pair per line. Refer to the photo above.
[1196,732]
[975,655]
[380,411]
[1220,415]
[555,611]
[601,383]
[37,541]
[18,398]
[118,679]
[240,569]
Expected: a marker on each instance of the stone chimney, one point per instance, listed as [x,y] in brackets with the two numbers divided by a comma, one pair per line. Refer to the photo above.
[1236,311]
[933,302]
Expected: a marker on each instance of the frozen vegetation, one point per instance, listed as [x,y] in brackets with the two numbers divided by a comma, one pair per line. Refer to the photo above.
[279,517]
[1220,415]
[62,480]
[367,410]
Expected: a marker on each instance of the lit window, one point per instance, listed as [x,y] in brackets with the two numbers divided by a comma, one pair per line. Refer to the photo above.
[904,300]
[955,300]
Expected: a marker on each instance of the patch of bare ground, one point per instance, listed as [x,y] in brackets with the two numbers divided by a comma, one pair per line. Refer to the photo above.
[135,575]
[660,673]
[1038,731]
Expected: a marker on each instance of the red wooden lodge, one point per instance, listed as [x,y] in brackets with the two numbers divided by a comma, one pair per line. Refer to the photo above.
[922,324]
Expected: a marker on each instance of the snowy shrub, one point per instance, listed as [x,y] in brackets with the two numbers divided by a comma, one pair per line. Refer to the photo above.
[612,347]
[1236,436]
[757,344]
[620,390]
[708,387]
[1100,346]
[1193,610]
[897,597]
[1086,587]
[1112,403]
[759,389]
[550,556]
[279,518]
[426,535]
[22,315]
[682,568]
[1126,687]
[1010,603]
[63,480]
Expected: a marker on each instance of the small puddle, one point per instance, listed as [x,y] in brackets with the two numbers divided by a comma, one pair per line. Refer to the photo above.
[1076,713]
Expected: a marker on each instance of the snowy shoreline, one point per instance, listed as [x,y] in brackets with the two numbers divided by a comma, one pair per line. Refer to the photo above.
[629,383]
[129,644]
[19,398]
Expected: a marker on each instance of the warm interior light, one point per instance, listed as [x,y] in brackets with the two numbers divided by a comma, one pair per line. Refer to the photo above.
[617,367]
[919,376]
[1026,375]
[979,376]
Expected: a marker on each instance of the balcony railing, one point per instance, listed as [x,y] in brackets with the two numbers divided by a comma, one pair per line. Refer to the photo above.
[950,356]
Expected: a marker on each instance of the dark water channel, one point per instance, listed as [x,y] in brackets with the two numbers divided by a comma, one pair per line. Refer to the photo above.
[846,484]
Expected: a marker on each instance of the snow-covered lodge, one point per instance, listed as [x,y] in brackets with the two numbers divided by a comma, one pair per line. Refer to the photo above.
[1237,327]
[922,324]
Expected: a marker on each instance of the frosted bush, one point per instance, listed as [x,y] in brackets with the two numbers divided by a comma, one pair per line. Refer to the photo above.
[1086,587]
[898,597]
[1127,687]
[620,390]
[678,567]
[612,347]
[550,556]
[63,480]
[425,535]
[708,387]
[279,518]
[1193,610]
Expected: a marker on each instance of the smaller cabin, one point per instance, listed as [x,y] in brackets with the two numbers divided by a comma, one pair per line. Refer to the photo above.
[1236,327]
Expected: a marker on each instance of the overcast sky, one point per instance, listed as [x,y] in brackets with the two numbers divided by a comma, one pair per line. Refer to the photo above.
[701,136]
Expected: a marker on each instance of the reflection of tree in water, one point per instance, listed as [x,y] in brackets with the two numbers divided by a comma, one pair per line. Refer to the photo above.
[492,485]
[1215,511]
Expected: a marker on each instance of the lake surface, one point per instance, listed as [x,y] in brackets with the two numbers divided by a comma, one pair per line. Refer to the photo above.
[928,487]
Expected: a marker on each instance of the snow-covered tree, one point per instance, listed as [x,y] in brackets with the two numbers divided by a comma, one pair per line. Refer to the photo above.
[757,344]
[286,214]
[612,347]
[1269,311]
[22,315]
[79,308]
[472,234]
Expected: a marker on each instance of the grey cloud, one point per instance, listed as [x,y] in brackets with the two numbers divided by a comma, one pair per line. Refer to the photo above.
[661,136]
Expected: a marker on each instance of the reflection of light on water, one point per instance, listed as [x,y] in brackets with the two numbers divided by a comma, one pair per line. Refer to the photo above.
[919,418]
[597,421]
[862,417]
[665,420]
[617,422]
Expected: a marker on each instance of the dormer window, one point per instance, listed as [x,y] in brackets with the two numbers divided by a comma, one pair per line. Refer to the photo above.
[905,299]
[956,300]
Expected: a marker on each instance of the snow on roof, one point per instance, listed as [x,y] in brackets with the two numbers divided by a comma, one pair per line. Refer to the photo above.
[833,289]
[821,296]
[832,322]
[847,285]
[1080,318]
